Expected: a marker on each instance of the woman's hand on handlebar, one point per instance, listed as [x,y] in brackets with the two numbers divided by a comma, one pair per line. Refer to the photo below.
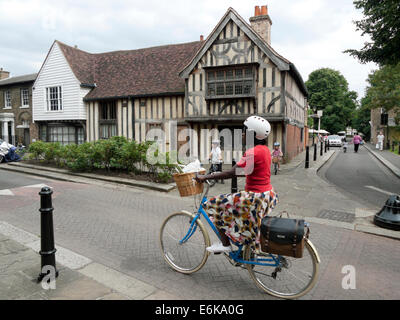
[200,178]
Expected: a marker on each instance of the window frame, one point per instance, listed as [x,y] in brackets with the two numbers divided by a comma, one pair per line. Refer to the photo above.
[108,119]
[220,80]
[7,98]
[58,99]
[23,105]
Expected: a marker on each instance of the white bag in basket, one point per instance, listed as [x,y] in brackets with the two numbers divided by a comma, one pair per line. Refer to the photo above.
[194,166]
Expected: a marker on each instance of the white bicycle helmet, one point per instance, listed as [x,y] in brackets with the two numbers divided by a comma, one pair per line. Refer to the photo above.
[260,126]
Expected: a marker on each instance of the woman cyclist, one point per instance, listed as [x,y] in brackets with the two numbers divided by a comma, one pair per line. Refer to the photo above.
[238,215]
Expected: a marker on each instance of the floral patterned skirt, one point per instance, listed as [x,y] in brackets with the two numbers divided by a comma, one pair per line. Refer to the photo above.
[240,214]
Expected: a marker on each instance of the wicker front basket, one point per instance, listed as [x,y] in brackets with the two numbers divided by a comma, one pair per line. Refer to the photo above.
[186,184]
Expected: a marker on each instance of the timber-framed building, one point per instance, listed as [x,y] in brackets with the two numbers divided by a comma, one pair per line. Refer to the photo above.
[214,83]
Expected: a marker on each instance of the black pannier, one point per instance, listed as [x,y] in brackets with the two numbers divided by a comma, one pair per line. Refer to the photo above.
[283,236]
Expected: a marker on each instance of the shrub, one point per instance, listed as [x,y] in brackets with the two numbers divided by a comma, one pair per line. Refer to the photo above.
[52,152]
[130,156]
[37,149]
[114,153]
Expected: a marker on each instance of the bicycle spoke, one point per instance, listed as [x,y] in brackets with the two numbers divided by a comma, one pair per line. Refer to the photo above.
[190,255]
[293,278]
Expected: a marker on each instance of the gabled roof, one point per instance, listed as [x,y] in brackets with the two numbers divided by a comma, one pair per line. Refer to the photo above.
[82,63]
[142,72]
[19,79]
[282,63]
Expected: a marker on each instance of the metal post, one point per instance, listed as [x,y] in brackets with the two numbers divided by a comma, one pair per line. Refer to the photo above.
[307,157]
[315,152]
[325,145]
[321,151]
[234,187]
[392,146]
[328,145]
[48,251]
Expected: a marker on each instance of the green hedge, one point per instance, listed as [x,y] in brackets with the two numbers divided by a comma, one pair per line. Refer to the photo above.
[116,153]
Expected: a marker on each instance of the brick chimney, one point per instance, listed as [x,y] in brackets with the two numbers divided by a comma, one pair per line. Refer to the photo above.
[261,23]
[4,74]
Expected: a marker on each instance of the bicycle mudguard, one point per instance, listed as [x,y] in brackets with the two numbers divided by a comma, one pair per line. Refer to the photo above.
[314,249]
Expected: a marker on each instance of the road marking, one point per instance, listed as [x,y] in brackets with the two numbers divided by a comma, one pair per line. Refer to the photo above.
[6,192]
[41,185]
[380,190]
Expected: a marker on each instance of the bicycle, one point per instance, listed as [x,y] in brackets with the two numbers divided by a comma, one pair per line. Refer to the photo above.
[275,161]
[213,168]
[184,239]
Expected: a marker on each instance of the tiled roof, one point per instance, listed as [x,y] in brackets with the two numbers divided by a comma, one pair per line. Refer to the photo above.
[81,62]
[19,79]
[149,71]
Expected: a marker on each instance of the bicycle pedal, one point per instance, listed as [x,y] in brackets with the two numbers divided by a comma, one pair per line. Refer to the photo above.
[217,253]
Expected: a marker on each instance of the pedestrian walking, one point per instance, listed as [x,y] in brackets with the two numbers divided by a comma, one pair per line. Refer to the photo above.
[356,141]
[215,157]
[380,139]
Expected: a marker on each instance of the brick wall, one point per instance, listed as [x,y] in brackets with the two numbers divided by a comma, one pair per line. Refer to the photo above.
[34,132]
[20,112]
[377,127]
[294,145]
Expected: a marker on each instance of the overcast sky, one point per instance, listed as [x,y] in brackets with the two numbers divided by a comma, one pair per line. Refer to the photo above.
[310,33]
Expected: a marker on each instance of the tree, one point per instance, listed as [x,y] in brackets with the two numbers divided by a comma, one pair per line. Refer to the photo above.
[361,119]
[329,91]
[382,24]
[384,92]
[384,88]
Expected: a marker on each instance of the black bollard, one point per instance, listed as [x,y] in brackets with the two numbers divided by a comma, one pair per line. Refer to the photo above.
[322,149]
[389,216]
[307,157]
[398,150]
[392,146]
[328,145]
[234,187]
[315,152]
[325,145]
[47,248]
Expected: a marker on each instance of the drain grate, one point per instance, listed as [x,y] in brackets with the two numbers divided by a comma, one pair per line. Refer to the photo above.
[337,215]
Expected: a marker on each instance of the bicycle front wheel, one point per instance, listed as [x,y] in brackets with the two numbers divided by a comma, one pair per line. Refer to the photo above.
[184,244]
[293,278]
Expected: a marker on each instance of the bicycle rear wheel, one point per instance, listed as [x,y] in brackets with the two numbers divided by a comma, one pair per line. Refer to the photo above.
[292,279]
[184,256]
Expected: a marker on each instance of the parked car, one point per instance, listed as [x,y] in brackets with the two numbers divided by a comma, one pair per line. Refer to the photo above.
[335,141]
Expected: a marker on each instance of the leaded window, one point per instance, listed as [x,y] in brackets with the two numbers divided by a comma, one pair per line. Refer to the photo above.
[231,82]
[108,119]
[64,134]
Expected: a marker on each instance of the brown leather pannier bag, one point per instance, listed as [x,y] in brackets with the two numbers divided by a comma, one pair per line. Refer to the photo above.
[283,236]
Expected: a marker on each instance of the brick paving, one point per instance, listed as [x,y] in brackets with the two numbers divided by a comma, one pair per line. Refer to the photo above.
[118,227]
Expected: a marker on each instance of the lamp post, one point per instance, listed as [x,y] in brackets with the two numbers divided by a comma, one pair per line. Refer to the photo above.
[317,114]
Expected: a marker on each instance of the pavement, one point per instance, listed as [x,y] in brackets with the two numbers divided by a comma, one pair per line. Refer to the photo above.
[301,191]
[387,158]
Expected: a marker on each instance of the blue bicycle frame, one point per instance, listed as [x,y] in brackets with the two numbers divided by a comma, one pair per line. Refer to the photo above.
[271,261]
